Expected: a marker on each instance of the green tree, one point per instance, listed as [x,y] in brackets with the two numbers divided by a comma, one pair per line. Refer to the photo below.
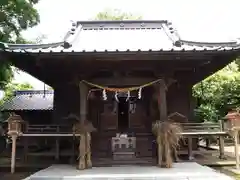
[116,14]
[238,63]
[15,16]
[218,93]
[50,88]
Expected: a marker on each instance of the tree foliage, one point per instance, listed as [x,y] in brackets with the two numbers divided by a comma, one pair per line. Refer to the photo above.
[15,16]
[218,93]
[238,63]
[116,14]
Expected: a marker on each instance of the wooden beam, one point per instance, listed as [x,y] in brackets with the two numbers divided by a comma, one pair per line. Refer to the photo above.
[206,70]
[130,55]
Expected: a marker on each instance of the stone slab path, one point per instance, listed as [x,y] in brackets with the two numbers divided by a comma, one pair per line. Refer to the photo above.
[180,171]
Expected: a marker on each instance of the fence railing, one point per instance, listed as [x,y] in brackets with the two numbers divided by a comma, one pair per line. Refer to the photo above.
[48,129]
[187,127]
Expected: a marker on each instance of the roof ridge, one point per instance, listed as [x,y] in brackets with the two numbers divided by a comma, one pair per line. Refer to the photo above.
[32,92]
[72,35]
[121,21]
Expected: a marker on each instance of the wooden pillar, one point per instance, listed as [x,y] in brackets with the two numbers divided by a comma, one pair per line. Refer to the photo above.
[207,142]
[83,101]
[190,149]
[83,116]
[57,145]
[162,105]
[13,155]
[192,105]
[221,142]
[26,144]
[72,160]
[162,101]
[236,148]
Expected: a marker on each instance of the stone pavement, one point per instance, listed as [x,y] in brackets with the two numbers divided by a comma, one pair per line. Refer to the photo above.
[180,171]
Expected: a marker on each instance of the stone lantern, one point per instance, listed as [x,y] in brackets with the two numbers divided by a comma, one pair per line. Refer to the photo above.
[232,120]
[15,124]
[233,126]
[14,130]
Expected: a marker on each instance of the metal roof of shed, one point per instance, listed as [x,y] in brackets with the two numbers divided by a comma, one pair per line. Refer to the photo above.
[30,100]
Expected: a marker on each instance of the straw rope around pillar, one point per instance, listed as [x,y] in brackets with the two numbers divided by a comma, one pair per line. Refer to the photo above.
[85,129]
[166,131]
[168,136]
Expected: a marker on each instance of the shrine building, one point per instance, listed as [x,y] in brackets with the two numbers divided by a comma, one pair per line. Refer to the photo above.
[121,76]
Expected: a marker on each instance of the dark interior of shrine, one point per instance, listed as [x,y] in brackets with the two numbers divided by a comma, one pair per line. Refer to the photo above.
[123,117]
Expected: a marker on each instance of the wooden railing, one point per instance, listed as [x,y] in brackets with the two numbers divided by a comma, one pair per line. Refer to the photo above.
[48,129]
[204,130]
[187,127]
[211,127]
[190,130]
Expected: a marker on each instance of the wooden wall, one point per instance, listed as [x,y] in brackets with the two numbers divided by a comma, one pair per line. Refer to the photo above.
[179,99]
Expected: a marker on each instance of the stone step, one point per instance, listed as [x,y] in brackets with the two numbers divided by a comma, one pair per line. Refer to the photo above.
[136,161]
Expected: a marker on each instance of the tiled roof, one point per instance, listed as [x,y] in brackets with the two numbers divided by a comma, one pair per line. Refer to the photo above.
[122,36]
[30,100]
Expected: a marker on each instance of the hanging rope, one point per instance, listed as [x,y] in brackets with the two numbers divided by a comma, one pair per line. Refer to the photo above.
[121,89]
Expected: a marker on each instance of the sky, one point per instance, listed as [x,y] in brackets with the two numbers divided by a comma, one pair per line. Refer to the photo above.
[196,20]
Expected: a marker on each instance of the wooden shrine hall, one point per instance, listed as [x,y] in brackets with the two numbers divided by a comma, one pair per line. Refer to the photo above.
[121,76]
